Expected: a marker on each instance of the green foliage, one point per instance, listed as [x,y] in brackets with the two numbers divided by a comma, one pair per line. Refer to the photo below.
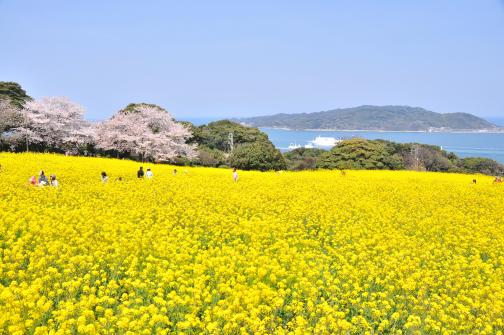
[252,148]
[380,154]
[14,93]
[358,153]
[210,157]
[189,126]
[481,165]
[435,160]
[215,135]
[132,107]
[257,156]
[303,158]
[424,157]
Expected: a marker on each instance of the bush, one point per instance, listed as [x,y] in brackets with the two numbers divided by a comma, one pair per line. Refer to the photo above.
[261,156]
[210,157]
[359,153]
[215,135]
[252,149]
[303,158]
[481,165]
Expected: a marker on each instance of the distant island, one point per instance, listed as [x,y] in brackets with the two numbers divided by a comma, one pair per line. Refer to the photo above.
[379,118]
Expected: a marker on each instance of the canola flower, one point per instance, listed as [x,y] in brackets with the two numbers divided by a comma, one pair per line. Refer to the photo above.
[368,252]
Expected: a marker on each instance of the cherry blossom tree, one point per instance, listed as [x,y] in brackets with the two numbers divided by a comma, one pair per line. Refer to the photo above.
[10,118]
[147,131]
[56,123]
[10,115]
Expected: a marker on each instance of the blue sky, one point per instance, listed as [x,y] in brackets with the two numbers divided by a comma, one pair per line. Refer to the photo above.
[237,58]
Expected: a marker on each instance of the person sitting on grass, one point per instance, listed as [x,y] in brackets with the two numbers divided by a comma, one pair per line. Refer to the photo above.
[42,179]
[54,182]
[149,173]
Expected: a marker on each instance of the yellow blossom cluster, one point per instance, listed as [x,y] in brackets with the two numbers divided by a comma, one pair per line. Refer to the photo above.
[365,252]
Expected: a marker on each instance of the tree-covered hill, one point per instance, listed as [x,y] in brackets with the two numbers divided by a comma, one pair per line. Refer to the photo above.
[392,118]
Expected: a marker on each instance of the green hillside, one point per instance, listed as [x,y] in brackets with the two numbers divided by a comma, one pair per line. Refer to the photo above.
[392,118]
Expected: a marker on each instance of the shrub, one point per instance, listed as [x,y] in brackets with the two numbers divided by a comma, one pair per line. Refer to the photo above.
[257,156]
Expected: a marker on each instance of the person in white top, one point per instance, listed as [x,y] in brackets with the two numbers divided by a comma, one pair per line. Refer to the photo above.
[149,173]
[54,182]
[235,175]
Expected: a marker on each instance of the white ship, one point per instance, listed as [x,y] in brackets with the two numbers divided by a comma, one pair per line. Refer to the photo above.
[321,141]
[293,146]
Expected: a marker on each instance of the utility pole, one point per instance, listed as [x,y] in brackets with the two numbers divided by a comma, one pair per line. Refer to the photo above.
[414,155]
[231,142]
[26,129]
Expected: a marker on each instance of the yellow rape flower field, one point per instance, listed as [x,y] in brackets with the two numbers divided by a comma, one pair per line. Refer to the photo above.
[368,252]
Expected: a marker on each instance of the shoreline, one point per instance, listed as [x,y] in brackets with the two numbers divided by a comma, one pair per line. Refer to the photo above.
[467,131]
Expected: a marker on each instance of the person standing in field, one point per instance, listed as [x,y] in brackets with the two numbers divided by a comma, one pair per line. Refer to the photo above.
[140,172]
[235,175]
[149,173]
[104,177]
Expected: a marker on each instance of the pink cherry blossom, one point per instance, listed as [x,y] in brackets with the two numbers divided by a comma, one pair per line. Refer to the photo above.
[147,131]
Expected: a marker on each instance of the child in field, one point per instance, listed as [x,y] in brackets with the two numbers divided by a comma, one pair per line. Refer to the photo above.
[149,173]
[174,172]
[235,175]
[104,177]
[33,180]
[54,182]
[42,180]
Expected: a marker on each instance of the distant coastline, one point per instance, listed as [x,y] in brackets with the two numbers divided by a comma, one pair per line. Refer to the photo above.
[452,131]
[375,118]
